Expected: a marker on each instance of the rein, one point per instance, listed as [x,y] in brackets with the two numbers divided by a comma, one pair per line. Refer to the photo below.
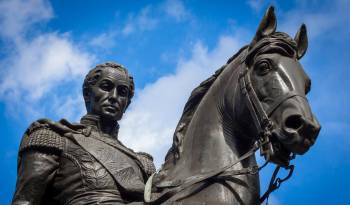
[181,185]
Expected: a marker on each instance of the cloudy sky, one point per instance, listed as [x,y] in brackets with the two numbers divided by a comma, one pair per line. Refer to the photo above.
[169,46]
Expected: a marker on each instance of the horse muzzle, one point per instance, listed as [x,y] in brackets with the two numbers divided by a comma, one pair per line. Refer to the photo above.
[298,133]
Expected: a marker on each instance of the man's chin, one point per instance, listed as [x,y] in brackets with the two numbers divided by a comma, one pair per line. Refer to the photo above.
[111,116]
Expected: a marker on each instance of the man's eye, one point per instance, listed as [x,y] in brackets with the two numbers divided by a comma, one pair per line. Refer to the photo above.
[123,91]
[105,86]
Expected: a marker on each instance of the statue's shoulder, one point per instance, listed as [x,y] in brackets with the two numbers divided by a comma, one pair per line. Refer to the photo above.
[147,162]
[47,135]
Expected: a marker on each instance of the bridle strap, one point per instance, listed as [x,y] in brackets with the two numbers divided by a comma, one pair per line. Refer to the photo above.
[251,107]
[261,120]
[264,125]
[281,99]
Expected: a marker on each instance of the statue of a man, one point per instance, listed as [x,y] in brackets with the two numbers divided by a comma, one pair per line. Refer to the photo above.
[84,163]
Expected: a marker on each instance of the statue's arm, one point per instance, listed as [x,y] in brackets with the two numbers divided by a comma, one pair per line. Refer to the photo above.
[35,171]
[147,163]
[38,160]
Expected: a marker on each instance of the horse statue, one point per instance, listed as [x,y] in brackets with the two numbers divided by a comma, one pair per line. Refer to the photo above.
[257,100]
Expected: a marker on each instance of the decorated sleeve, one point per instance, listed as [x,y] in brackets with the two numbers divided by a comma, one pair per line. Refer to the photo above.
[40,137]
[147,162]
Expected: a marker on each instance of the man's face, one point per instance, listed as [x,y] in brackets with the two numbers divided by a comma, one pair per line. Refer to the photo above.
[109,96]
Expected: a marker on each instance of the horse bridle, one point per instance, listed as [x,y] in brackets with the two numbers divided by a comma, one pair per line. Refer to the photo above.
[265,142]
[269,147]
[263,124]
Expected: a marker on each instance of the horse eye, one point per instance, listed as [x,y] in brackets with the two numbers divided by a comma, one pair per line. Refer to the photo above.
[262,68]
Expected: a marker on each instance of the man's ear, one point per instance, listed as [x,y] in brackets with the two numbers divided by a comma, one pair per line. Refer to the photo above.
[126,107]
[86,96]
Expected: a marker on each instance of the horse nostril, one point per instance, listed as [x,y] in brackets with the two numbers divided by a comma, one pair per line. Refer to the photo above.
[294,122]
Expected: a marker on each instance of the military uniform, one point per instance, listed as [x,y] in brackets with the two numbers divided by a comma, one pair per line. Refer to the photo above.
[75,164]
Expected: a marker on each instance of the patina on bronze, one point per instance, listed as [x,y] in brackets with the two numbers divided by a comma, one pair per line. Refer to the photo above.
[62,163]
[257,100]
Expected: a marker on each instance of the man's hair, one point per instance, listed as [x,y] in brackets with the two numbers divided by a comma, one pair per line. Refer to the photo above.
[94,74]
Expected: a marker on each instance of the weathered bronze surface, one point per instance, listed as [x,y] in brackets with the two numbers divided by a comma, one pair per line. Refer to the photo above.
[85,163]
[257,100]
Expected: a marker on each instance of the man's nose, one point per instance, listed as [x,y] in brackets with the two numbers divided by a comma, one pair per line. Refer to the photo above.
[113,94]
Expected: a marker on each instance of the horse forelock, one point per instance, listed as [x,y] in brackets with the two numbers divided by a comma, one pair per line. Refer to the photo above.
[192,103]
[278,42]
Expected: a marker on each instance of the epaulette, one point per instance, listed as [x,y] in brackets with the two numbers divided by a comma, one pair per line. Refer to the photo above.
[147,162]
[40,136]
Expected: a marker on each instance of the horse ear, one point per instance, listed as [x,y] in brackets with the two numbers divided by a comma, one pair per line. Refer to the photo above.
[267,25]
[301,40]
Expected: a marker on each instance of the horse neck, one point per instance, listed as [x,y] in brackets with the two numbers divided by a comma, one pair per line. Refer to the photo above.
[211,140]
[236,110]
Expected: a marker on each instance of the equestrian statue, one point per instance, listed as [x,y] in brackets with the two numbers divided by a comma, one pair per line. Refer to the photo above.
[257,100]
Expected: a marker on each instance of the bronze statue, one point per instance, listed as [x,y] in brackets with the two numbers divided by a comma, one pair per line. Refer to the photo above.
[62,163]
[257,100]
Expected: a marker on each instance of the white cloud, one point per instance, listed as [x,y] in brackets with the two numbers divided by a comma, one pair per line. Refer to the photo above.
[330,18]
[71,107]
[42,63]
[151,16]
[143,21]
[105,40]
[149,123]
[37,65]
[18,16]
[256,5]
[175,9]
[129,28]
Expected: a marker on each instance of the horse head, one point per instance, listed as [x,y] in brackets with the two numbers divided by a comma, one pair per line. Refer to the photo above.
[275,85]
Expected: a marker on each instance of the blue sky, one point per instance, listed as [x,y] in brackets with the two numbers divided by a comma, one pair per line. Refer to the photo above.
[169,46]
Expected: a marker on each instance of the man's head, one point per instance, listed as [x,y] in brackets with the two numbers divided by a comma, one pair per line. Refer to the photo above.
[107,91]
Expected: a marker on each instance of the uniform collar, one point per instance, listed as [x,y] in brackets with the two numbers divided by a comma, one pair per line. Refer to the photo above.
[93,121]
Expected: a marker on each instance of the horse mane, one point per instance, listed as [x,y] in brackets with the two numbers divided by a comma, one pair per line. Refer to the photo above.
[191,106]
